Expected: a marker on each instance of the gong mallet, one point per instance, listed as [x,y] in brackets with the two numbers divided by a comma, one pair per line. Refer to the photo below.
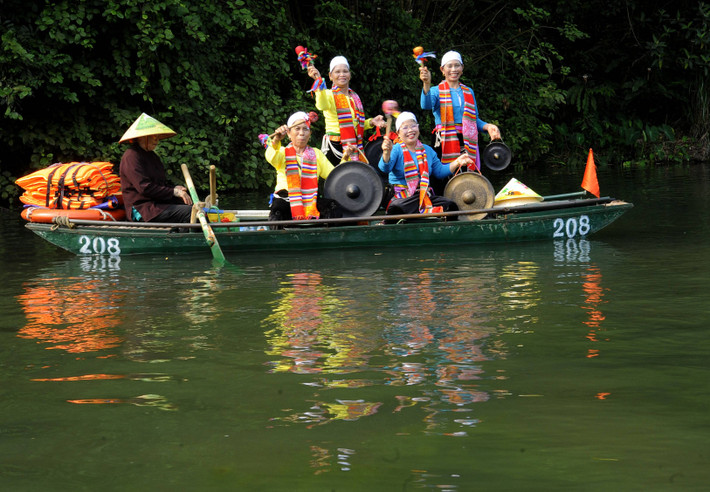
[421,56]
[304,57]
[390,108]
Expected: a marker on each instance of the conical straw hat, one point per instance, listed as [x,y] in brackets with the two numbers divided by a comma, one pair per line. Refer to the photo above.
[515,193]
[147,125]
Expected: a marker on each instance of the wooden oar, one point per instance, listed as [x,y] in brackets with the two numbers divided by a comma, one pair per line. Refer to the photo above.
[213,187]
[206,229]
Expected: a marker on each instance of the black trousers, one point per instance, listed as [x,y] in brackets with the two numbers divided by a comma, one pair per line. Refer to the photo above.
[410,205]
[281,209]
[331,155]
[174,213]
[438,185]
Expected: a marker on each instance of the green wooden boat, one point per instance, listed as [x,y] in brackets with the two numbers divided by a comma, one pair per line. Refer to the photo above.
[548,220]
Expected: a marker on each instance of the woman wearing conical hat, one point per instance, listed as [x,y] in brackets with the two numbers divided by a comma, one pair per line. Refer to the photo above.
[147,194]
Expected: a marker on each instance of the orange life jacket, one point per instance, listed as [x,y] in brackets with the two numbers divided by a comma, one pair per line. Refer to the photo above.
[74,185]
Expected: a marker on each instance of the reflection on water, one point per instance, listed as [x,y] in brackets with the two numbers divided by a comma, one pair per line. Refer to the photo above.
[309,337]
[436,330]
[595,294]
[95,307]
[93,312]
[430,327]
[572,251]
[97,377]
[322,459]
[435,335]
[440,329]
[78,314]
[520,293]
[393,369]
[156,401]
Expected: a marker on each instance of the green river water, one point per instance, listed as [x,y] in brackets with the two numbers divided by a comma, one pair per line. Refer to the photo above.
[563,365]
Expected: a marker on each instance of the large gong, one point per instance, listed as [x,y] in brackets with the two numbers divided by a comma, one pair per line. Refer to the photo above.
[470,191]
[356,187]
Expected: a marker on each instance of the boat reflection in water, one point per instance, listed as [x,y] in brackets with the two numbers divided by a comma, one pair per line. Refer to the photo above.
[77,313]
[306,314]
[437,330]
[579,251]
[90,307]
[426,339]
[311,337]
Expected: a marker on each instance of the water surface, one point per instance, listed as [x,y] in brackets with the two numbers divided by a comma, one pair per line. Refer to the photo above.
[565,365]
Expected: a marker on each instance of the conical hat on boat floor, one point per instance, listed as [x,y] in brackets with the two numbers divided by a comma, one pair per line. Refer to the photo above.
[147,125]
[515,193]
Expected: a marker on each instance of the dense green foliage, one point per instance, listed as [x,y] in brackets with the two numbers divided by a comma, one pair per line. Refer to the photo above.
[627,78]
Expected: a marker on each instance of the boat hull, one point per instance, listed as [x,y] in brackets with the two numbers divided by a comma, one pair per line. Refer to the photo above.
[120,240]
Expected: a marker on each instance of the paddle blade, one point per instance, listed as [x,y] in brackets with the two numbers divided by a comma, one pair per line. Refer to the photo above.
[589,181]
[210,238]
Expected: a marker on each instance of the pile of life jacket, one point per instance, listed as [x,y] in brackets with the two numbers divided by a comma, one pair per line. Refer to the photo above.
[72,186]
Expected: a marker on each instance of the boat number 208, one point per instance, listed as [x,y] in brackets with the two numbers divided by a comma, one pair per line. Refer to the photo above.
[99,246]
[571,227]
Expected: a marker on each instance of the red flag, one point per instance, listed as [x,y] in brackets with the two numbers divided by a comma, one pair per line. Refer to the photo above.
[589,182]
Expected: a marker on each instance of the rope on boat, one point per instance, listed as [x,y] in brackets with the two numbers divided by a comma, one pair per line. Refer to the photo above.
[66,221]
[62,221]
[106,215]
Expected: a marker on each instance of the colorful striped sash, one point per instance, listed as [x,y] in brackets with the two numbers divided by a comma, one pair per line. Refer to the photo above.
[417,176]
[351,130]
[450,148]
[302,183]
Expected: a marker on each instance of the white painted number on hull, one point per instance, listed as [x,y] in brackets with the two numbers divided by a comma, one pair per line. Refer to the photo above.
[99,246]
[571,227]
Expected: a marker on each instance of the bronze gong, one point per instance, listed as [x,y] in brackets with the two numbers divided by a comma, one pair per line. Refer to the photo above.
[470,191]
[357,188]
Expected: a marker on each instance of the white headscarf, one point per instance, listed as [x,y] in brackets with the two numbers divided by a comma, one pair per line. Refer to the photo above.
[298,117]
[451,56]
[339,60]
[404,116]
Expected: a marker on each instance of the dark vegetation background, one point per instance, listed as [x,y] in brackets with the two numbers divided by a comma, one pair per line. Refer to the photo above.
[628,78]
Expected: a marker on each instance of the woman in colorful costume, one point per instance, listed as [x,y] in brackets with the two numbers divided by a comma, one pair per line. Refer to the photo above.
[410,166]
[298,167]
[455,111]
[147,194]
[345,122]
